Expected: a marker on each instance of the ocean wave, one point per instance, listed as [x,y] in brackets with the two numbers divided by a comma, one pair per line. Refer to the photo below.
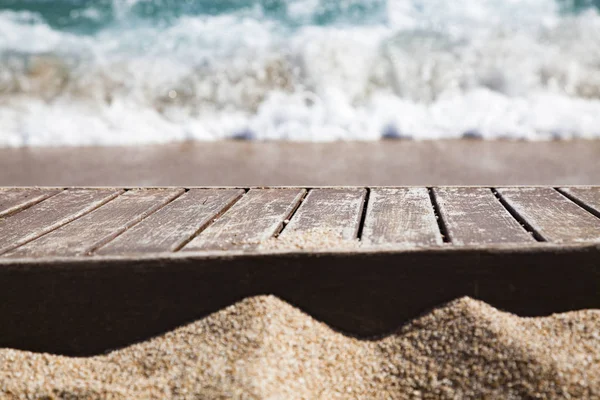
[311,70]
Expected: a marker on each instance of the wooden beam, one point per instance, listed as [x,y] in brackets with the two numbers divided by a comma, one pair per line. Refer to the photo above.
[553,216]
[474,215]
[91,231]
[59,210]
[255,218]
[400,216]
[171,227]
[14,200]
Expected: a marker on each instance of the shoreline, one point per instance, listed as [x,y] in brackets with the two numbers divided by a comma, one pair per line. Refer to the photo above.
[239,163]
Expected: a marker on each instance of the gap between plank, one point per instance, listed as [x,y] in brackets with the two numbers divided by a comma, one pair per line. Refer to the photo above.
[518,217]
[579,202]
[211,221]
[363,216]
[442,228]
[109,238]
[284,224]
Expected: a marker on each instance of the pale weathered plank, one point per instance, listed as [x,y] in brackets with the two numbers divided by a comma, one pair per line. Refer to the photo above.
[475,216]
[87,233]
[327,218]
[172,226]
[400,216]
[16,199]
[553,216]
[255,218]
[588,197]
[50,214]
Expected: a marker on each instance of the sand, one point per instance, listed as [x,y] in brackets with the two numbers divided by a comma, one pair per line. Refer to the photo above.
[229,163]
[265,348]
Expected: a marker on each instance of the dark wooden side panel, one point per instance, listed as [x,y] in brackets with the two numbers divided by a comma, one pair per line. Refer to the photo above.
[82,236]
[400,216]
[473,215]
[50,214]
[326,214]
[14,200]
[556,218]
[255,218]
[588,196]
[89,305]
[173,225]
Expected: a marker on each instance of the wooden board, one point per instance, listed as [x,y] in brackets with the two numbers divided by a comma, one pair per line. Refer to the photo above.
[50,214]
[77,222]
[553,216]
[325,217]
[400,216]
[475,216]
[256,217]
[91,305]
[89,232]
[586,197]
[174,225]
[16,199]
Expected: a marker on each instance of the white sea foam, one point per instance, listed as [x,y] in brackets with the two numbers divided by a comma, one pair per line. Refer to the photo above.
[423,69]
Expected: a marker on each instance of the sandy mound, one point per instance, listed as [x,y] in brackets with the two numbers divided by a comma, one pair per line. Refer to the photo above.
[264,348]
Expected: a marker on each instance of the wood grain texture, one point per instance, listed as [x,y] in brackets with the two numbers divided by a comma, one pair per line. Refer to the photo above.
[475,216]
[87,233]
[588,196]
[255,218]
[173,225]
[400,216]
[556,218]
[325,217]
[50,214]
[15,199]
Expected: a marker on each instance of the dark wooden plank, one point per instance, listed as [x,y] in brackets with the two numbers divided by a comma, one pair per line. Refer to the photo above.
[84,306]
[255,218]
[588,197]
[475,216]
[172,226]
[87,233]
[327,218]
[400,216]
[51,214]
[16,199]
[556,218]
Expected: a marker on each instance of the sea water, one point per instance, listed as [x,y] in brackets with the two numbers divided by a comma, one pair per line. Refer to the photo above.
[113,72]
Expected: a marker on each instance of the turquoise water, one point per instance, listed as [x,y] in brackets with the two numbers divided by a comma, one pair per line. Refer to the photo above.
[89,16]
[79,72]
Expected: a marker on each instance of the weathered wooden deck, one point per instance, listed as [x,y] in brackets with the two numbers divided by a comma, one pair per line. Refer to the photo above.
[111,222]
[86,269]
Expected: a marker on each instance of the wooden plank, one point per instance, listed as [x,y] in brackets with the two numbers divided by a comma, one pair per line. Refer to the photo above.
[553,216]
[255,218]
[87,233]
[475,216]
[587,197]
[400,216]
[84,306]
[51,214]
[327,218]
[15,199]
[172,226]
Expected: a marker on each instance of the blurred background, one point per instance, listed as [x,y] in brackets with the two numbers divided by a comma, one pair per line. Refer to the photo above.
[299,92]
